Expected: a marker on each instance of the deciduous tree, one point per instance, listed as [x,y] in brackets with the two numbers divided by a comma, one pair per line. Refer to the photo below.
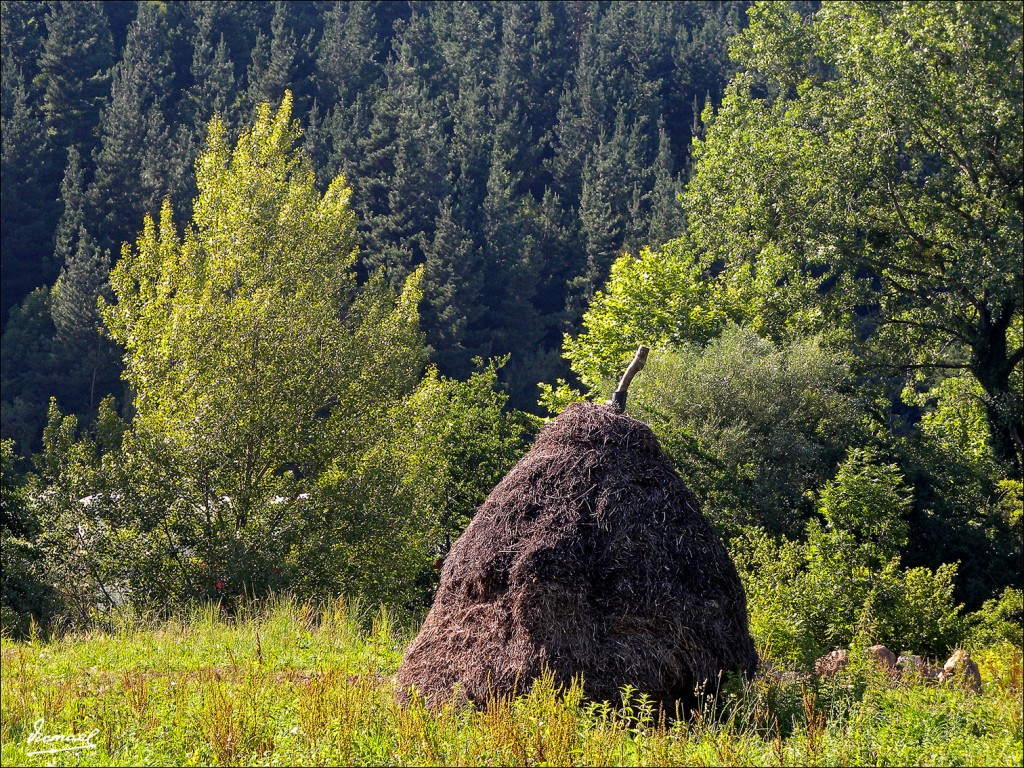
[865,170]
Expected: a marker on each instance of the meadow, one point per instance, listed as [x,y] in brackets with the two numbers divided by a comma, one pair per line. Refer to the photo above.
[287,683]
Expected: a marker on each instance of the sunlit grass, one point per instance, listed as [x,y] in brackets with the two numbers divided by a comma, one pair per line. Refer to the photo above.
[292,684]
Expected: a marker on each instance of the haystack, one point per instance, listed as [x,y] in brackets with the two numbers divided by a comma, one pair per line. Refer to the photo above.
[591,558]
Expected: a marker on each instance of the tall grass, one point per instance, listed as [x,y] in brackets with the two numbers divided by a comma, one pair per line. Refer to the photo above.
[290,683]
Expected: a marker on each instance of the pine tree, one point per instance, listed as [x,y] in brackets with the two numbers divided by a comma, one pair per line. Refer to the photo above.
[27,211]
[452,287]
[631,156]
[129,176]
[85,358]
[72,217]
[666,220]
[22,36]
[274,60]
[465,50]
[512,267]
[349,53]
[403,175]
[348,73]
[212,72]
[27,376]
[600,223]
[470,149]
[73,70]
[560,262]
[82,280]
[510,92]
[578,127]
[549,68]
[346,129]
[317,144]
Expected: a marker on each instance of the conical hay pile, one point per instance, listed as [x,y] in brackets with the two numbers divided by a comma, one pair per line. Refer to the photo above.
[592,558]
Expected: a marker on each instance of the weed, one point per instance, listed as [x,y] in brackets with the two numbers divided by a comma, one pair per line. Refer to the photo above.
[288,683]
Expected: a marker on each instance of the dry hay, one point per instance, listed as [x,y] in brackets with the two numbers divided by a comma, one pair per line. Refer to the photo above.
[590,557]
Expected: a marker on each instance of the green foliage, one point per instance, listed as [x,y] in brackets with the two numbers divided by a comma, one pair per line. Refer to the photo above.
[74,71]
[956,423]
[27,190]
[241,332]
[1011,505]
[432,461]
[657,298]
[453,441]
[846,579]
[868,501]
[286,682]
[1000,619]
[80,552]
[27,374]
[868,187]
[27,598]
[751,426]
[844,193]
[422,107]
[804,599]
[967,505]
[769,569]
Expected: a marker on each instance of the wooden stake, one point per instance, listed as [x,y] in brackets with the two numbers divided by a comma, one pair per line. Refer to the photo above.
[619,395]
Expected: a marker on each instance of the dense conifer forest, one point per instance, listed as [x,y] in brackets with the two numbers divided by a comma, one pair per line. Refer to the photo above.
[512,149]
[288,287]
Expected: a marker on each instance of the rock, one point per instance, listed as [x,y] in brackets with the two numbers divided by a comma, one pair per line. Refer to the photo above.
[832,662]
[960,665]
[883,656]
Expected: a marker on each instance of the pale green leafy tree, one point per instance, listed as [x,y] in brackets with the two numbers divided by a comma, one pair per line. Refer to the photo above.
[256,361]
[656,298]
[752,426]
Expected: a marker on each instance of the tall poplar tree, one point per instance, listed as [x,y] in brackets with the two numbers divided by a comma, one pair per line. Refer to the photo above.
[261,371]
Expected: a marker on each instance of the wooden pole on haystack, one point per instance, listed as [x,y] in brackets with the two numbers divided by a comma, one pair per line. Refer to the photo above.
[619,395]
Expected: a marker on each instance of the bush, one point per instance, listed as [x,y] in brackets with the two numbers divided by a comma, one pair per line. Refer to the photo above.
[846,578]
[26,595]
[1000,619]
[751,426]
[441,451]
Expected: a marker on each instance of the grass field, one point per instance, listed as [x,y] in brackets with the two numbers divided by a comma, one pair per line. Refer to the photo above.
[292,685]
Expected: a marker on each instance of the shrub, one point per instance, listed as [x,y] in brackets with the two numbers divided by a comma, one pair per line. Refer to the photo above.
[750,425]
[1000,619]
[846,578]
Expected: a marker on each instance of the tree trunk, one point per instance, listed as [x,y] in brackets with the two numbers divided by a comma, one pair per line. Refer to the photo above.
[993,367]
